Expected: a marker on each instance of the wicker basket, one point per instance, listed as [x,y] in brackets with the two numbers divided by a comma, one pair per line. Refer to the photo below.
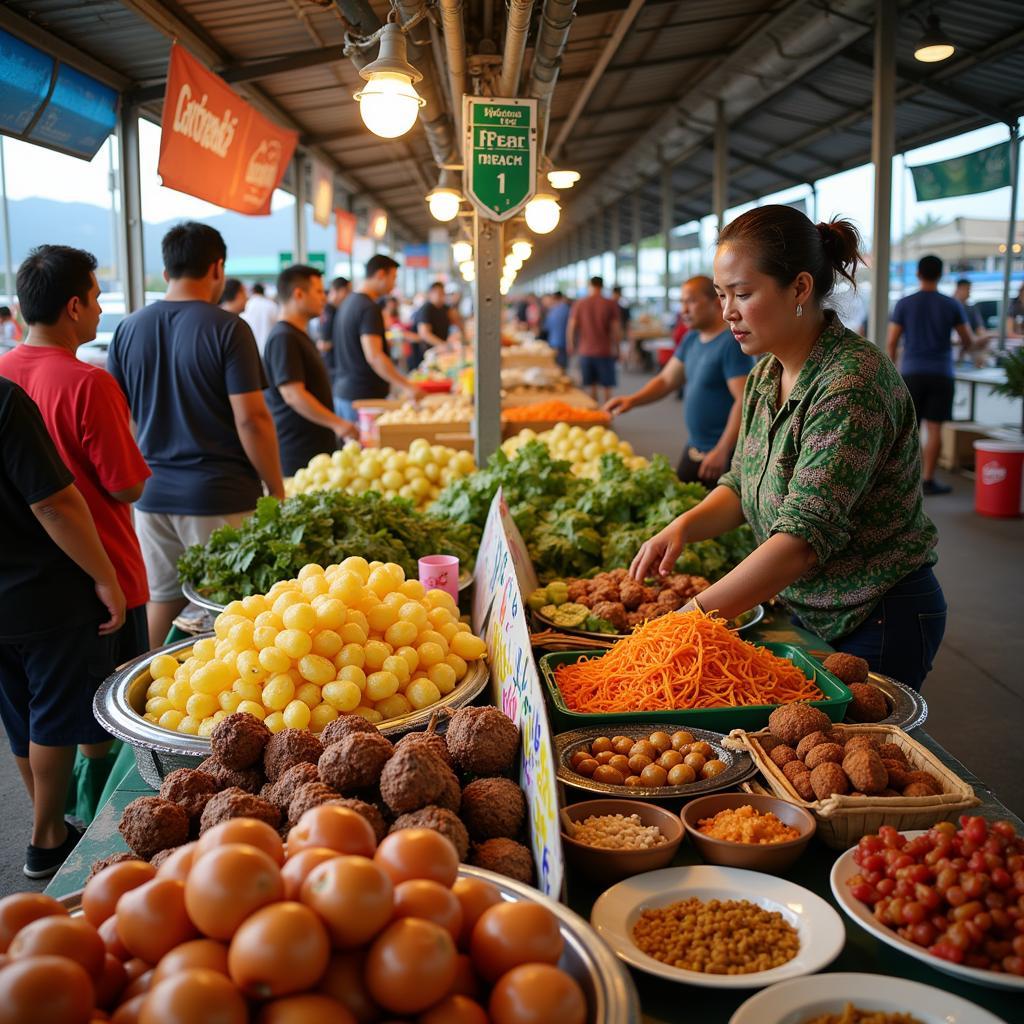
[842,820]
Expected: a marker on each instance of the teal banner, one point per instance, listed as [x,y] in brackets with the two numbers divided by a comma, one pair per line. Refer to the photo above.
[964,175]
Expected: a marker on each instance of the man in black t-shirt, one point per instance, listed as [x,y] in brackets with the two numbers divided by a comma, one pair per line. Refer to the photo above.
[299,396]
[60,609]
[432,322]
[337,293]
[363,368]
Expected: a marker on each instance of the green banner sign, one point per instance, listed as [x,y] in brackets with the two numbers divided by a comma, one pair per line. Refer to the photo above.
[500,151]
[285,259]
[964,175]
[317,260]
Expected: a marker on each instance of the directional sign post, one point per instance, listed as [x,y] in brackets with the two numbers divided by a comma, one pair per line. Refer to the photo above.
[500,153]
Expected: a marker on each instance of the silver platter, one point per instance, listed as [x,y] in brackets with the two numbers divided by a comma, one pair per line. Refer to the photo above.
[739,765]
[907,708]
[750,619]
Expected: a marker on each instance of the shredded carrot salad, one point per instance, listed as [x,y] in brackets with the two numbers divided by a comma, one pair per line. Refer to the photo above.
[682,661]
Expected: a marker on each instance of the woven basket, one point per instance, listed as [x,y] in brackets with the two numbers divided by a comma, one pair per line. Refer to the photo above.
[842,820]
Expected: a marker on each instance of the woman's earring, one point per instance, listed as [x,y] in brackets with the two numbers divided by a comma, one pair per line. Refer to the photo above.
[799,310]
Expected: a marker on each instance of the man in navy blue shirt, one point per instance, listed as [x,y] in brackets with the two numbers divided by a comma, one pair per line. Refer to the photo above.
[556,322]
[925,321]
[714,369]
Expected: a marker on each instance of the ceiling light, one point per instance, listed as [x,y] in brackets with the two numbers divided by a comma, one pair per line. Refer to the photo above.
[542,213]
[513,263]
[934,44]
[462,252]
[378,224]
[466,266]
[444,203]
[469,276]
[389,103]
[563,179]
[504,288]
[522,248]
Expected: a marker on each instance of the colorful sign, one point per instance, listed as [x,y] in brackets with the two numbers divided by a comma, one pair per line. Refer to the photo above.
[964,175]
[214,145]
[346,230]
[417,256]
[500,153]
[503,572]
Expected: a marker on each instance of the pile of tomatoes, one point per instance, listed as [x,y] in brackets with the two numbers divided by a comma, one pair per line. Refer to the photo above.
[340,931]
[957,892]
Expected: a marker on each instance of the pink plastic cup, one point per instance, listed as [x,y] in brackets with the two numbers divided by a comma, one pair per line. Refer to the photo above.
[440,572]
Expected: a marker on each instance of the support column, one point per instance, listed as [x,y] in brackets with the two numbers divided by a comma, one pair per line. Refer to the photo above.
[667,203]
[637,231]
[883,133]
[8,251]
[720,179]
[487,250]
[613,212]
[301,240]
[129,183]
[814,201]
[1004,306]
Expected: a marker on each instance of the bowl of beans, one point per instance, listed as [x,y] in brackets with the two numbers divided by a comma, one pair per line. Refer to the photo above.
[608,840]
[744,830]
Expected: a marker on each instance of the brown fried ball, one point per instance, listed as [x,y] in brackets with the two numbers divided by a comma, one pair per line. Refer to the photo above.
[355,761]
[782,754]
[899,775]
[288,748]
[451,795]
[861,743]
[280,793]
[686,585]
[868,704]
[889,791]
[343,725]
[651,610]
[492,808]
[112,859]
[190,789]
[925,779]
[829,778]
[631,594]
[236,803]
[824,752]
[792,722]
[865,770]
[311,794]
[505,856]
[150,824]
[578,589]
[791,769]
[848,668]
[801,782]
[369,811]
[603,593]
[439,819]
[433,741]
[634,619]
[482,740]
[239,740]
[613,612]
[411,779]
[669,599]
[892,752]
[919,789]
[249,779]
[810,741]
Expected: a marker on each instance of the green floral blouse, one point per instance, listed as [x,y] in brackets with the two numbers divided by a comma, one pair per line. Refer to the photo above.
[839,465]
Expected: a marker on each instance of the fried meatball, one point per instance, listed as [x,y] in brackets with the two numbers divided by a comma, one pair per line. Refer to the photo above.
[190,789]
[925,779]
[613,612]
[577,590]
[483,741]
[369,811]
[687,585]
[115,858]
[433,741]
[651,610]
[824,752]
[342,726]
[492,808]
[311,794]
[631,594]
[827,779]
[801,782]
[355,761]
[782,754]
[889,791]
[411,779]
[847,667]
[861,743]
[899,776]
[451,796]
[634,619]
[249,779]
[439,819]
[280,793]
[792,722]
[239,740]
[865,770]
[810,741]
[868,704]
[791,769]
[891,752]
[288,748]
[919,789]
[236,803]
[505,856]
[151,824]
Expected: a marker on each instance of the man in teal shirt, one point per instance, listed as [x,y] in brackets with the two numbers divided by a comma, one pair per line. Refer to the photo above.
[713,368]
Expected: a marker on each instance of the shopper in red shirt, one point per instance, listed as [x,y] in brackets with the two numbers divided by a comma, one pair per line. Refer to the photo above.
[594,333]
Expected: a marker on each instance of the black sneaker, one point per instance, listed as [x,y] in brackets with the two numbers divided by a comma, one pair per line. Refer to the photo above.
[934,487]
[43,862]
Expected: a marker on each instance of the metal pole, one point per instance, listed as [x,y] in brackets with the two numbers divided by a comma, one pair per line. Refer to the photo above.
[1011,231]
[301,240]
[636,249]
[666,231]
[616,241]
[720,179]
[814,201]
[487,302]
[8,254]
[882,143]
[115,231]
[133,266]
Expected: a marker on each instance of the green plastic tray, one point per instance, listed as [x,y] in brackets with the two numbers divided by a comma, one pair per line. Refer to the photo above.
[753,716]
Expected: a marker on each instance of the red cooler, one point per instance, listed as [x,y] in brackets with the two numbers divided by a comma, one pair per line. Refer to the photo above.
[997,480]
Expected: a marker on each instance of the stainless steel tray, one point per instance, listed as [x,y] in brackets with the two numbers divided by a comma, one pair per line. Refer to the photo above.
[739,765]
[756,614]
[907,708]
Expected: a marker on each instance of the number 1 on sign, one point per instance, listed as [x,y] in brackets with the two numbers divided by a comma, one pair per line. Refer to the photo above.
[501,183]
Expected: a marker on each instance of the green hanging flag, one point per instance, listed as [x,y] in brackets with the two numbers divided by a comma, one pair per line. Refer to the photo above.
[964,175]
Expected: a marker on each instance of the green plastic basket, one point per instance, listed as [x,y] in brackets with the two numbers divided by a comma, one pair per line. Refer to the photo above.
[752,716]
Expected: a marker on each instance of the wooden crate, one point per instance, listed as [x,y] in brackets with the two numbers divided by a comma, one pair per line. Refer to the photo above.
[401,435]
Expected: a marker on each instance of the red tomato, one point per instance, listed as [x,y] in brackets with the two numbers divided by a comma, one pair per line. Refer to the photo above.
[108,933]
[411,965]
[509,934]
[242,830]
[476,896]
[344,981]
[135,968]
[102,891]
[152,920]
[227,884]
[431,901]
[128,1011]
[71,937]
[418,853]
[309,1008]
[205,953]
[297,868]
[466,981]
[337,828]
[111,982]
[138,986]
[353,896]
[20,909]
[194,997]
[179,863]
[455,1010]
[45,990]
[537,994]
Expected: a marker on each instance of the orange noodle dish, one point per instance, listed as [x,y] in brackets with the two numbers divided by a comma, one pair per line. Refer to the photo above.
[680,662]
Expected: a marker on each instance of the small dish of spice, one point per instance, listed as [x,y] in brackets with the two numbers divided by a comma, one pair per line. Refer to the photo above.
[617,832]
[745,824]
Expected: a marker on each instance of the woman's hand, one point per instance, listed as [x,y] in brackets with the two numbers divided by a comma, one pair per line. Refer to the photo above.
[660,552]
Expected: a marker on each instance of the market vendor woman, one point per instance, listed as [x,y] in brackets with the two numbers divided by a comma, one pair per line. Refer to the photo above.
[827,470]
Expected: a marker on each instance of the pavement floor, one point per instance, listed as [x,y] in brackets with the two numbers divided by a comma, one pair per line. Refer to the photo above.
[975,692]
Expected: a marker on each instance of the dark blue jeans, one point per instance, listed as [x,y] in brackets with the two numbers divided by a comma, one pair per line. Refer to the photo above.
[902,634]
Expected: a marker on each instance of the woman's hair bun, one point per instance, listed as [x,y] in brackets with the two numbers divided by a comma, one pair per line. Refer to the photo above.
[841,241]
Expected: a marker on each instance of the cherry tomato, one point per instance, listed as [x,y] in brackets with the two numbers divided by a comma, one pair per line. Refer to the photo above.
[418,853]
[20,909]
[111,982]
[537,994]
[152,920]
[298,866]
[344,981]
[337,828]
[352,895]
[309,1008]
[197,996]
[71,937]
[509,934]
[205,953]
[179,863]
[242,830]
[45,990]
[466,981]
[455,1010]
[476,896]
[102,891]
[430,901]
[108,933]
[411,965]
[227,884]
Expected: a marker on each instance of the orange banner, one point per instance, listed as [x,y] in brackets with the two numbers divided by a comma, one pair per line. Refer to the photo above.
[346,229]
[214,145]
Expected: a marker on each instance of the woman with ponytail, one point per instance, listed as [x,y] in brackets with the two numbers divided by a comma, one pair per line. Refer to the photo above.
[827,469]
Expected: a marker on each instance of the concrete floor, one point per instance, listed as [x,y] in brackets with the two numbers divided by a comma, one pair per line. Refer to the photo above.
[975,691]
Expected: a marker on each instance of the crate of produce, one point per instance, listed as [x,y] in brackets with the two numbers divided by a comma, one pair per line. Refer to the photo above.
[717,719]
[844,818]
[400,435]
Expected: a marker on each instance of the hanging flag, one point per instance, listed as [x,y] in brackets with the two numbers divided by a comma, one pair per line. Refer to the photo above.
[214,145]
[323,193]
[964,175]
[346,230]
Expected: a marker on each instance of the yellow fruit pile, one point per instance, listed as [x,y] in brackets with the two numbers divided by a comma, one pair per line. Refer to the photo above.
[419,474]
[356,637]
[582,446]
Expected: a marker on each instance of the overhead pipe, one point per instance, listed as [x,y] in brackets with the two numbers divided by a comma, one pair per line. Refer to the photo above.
[516,31]
[555,23]
[455,50]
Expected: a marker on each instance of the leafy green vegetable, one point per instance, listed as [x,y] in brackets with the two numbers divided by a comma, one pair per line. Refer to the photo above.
[324,527]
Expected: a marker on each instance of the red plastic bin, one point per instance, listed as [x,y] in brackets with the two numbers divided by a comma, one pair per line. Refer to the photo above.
[998,469]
